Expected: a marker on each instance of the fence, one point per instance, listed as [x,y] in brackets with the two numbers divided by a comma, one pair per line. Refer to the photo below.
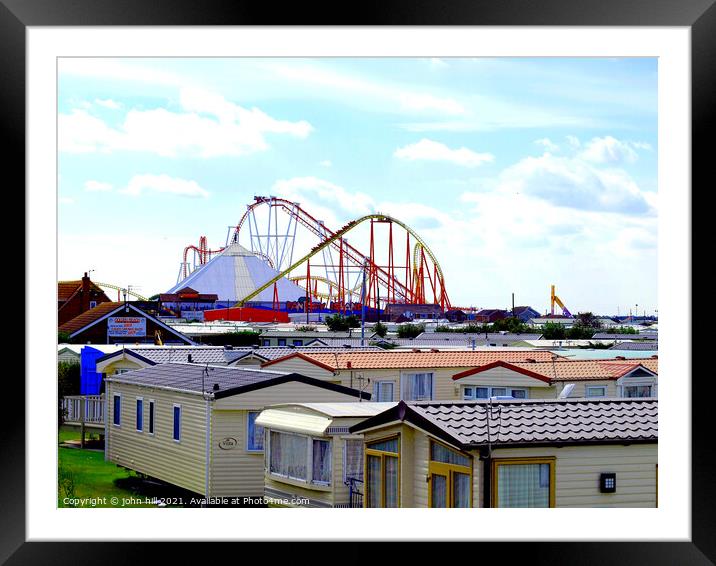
[88,409]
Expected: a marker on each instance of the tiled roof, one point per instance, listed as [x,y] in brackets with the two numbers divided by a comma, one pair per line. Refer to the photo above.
[519,422]
[565,370]
[652,363]
[391,359]
[88,317]
[65,289]
[220,381]
[545,421]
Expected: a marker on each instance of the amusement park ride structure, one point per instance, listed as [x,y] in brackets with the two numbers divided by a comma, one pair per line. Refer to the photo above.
[275,229]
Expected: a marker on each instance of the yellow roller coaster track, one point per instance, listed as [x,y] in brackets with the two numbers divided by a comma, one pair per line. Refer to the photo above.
[116,288]
[340,234]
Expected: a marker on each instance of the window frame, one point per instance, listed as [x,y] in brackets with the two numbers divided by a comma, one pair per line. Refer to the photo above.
[176,430]
[139,402]
[447,470]
[248,435]
[382,454]
[152,417]
[496,462]
[490,393]
[588,387]
[279,340]
[116,415]
[378,384]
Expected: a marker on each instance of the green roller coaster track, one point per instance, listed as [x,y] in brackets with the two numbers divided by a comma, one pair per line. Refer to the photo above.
[420,244]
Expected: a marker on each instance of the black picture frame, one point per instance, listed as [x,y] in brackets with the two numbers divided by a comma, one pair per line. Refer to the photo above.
[698,15]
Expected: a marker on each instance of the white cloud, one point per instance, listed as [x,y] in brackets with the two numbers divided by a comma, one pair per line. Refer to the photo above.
[404,96]
[611,150]
[429,150]
[140,184]
[97,187]
[108,103]
[547,144]
[573,141]
[326,163]
[210,126]
[574,183]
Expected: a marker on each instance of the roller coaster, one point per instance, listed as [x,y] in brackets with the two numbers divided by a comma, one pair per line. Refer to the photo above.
[398,267]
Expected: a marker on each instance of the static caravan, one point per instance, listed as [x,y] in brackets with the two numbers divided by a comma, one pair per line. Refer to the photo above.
[546,380]
[194,425]
[311,460]
[394,375]
[512,453]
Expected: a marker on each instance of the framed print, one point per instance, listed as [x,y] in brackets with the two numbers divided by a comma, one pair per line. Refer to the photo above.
[519,147]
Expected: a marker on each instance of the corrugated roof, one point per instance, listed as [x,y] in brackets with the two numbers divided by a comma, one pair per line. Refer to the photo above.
[188,377]
[652,345]
[391,359]
[621,337]
[554,421]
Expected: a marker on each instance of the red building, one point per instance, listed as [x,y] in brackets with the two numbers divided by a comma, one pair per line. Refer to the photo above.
[76,297]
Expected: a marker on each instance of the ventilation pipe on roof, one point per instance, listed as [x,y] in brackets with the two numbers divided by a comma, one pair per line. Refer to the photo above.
[188,359]
[216,387]
[349,364]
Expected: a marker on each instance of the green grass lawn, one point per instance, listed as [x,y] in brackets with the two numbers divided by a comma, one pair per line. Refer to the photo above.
[83,474]
[92,477]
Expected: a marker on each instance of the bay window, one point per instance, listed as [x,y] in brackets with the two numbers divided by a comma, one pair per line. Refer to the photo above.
[299,457]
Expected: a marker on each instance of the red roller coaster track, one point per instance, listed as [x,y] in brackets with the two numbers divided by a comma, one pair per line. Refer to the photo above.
[418,281]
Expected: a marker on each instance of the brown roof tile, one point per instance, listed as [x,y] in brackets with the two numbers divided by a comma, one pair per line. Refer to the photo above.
[89,317]
[423,359]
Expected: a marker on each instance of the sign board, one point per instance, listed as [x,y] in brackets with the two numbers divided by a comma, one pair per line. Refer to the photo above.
[126,326]
[228,443]
[193,315]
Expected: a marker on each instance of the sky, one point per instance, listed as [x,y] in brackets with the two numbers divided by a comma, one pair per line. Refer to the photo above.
[518,173]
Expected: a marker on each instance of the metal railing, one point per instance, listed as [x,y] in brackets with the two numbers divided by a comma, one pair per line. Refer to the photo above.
[88,409]
[355,492]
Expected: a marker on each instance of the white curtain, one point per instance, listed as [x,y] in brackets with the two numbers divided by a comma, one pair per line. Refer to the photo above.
[322,461]
[288,455]
[353,459]
[523,485]
[417,387]
[460,490]
[374,481]
[391,481]
[438,491]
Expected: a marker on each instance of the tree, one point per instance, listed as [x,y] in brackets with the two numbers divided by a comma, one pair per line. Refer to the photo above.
[305,328]
[68,378]
[587,320]
[410,330]
[63,338]
[553,331]
[239,338]
[380,329]
[340,323]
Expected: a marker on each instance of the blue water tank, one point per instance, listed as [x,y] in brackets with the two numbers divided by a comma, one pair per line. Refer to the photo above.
[90,380]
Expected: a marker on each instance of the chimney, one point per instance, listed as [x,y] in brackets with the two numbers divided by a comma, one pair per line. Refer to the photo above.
[216,387]
[85,298]
[349,364]
[620,358]
[531,360]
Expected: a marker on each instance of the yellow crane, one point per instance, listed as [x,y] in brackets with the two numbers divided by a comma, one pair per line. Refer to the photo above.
[555,299]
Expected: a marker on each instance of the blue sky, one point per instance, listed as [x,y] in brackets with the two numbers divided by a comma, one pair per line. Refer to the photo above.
[518,173]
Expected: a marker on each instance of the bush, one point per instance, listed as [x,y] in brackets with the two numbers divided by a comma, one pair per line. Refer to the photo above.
[305,328]
[410,330]
[380,329]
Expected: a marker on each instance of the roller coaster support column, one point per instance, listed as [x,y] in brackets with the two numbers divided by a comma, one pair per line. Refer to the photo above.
[362,307]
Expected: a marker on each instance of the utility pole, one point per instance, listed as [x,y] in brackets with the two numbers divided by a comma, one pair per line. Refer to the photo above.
[362,306]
